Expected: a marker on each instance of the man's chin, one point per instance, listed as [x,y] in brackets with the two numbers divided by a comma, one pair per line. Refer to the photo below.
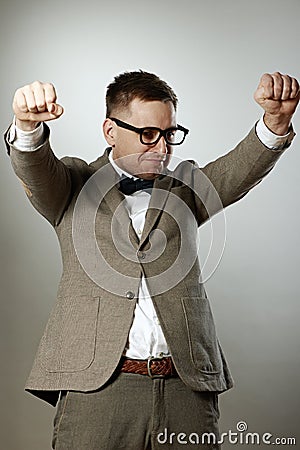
[150,170]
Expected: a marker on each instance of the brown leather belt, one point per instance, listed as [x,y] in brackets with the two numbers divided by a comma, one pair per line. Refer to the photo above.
[153,367]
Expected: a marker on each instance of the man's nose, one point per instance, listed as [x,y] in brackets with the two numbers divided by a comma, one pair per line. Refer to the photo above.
[161,146]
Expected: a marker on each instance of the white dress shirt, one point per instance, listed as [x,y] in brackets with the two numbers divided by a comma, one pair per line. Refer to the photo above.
[145,337]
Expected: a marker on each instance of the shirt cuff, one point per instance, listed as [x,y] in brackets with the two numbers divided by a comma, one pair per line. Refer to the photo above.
[25,141]
[272,140]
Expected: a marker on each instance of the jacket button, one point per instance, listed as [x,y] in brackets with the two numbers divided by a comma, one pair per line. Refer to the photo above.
[130,295]
[141,255]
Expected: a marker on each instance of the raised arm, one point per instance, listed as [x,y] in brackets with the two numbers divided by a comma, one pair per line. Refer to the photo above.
[238,171]
[47,180]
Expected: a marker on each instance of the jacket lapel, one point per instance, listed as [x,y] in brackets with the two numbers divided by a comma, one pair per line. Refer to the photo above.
[107,183]
[115,201]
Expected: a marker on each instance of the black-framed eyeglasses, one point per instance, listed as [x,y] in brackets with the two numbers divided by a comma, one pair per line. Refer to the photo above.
[151,135]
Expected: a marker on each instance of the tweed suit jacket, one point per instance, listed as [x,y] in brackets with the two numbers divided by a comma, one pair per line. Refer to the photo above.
[88,328]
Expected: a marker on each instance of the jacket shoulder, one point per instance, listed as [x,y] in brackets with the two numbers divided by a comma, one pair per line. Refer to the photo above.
[183,172]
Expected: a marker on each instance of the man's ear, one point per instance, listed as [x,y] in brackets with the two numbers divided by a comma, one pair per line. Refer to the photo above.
[108,131]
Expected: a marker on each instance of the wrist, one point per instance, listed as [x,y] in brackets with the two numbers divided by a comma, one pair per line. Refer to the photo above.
[278,124]
[26,125]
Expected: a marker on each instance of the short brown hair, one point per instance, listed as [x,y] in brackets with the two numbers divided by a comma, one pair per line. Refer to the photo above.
[142,85]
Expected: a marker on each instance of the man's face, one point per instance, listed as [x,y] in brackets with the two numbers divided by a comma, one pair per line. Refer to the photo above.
[144,161]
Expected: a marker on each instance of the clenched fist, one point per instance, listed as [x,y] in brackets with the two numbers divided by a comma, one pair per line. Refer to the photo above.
[35,103]
[279,96]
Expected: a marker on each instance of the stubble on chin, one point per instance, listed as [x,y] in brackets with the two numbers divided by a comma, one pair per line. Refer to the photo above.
[149,170]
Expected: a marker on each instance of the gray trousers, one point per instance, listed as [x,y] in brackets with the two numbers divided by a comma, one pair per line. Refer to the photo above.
[135,412]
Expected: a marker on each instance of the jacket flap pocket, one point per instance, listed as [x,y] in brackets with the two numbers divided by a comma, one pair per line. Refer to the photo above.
[203,342]
[68,344]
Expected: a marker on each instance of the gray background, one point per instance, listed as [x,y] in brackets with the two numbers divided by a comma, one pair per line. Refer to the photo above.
[213,54]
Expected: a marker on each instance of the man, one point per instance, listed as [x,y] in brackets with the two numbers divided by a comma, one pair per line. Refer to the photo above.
[131,345]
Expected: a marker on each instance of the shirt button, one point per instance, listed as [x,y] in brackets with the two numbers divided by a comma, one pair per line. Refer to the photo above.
[130,295]
[139,231]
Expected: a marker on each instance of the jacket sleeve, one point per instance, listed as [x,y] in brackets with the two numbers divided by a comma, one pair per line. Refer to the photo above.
[231,176]
[45,178]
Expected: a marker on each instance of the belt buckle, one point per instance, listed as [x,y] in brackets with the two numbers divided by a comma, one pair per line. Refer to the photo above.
[151,358]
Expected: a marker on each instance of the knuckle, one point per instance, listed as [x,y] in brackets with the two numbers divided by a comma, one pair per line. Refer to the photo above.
[50,92]
[48,85]
[36,84]
[18,95]
[266,77]
[49,89]
[279,81]
[24,88]
[27,89]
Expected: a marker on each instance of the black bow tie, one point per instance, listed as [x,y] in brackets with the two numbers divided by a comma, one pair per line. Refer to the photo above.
[128,185]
